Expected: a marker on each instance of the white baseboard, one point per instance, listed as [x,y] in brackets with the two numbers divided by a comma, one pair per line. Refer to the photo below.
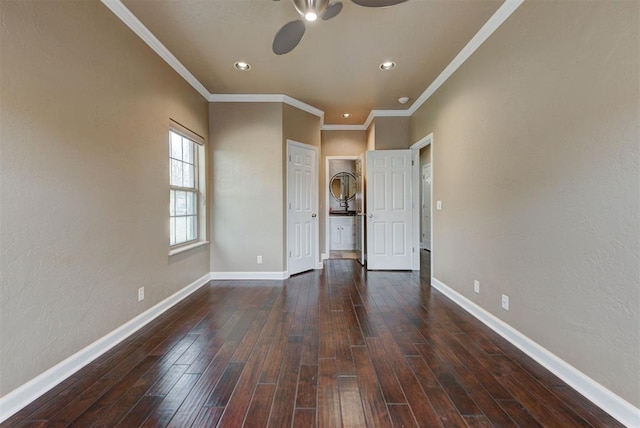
[616,406]
[324,256]
[250,275]
[30,391]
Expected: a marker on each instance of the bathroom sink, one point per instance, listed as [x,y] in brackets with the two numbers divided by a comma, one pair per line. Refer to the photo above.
[341,212]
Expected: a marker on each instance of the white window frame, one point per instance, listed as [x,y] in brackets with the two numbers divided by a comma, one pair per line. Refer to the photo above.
[200,189]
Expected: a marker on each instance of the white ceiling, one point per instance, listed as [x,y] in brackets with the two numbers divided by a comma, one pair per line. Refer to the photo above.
[335,66]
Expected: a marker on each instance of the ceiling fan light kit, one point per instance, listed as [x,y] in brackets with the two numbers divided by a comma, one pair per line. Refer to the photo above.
[288,37]
[311,9]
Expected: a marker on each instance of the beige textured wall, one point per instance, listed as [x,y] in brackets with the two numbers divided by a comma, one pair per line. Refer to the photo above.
[84,114]
[336,143]
[371,136]
[300,126]
[536,159]
[392,133]
[246,187]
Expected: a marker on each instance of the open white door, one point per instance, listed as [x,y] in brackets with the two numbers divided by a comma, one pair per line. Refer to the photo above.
[302,200]
[360,212]
[389,210]
[426,206]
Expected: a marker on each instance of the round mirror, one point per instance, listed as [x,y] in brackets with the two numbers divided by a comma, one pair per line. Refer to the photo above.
[343,186]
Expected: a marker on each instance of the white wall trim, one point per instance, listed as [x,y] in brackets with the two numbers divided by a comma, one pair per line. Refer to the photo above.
[130,20]
[324,256]
[391,113]
[422,142]
[611,403]
[367,123]
[246,98]
[496,20]
[266,98]
[384,113]
[343,128]
[303,106]
[250,275]
[36,387]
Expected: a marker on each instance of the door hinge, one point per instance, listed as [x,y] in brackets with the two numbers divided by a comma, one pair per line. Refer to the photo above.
[413,250]
[289,158]
[412,162]
[289,254]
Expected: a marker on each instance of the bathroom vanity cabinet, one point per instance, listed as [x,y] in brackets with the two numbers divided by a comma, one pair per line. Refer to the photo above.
[343,232]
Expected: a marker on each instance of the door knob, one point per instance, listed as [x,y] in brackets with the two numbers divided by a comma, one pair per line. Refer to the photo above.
[313,215]
[370,215]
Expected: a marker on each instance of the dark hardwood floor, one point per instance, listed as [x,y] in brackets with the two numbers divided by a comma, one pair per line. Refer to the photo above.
[330,348]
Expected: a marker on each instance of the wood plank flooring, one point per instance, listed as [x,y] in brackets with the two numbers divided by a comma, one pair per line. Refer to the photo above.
[337,347]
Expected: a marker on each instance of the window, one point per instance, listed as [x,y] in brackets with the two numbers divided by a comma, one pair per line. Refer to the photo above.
[186,193]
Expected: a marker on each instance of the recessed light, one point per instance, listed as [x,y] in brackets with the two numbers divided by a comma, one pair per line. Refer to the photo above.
[403,100]
[242,66]
[387,65]
[311,16]
[346,115]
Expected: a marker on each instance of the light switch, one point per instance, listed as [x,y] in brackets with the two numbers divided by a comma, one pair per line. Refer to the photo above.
[439,205]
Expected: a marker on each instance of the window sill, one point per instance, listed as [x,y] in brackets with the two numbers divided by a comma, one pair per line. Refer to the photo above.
[184,248]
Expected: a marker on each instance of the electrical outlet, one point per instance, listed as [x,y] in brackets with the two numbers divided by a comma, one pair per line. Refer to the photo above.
[259,260]
[476,286]
[140,294]
[439,205]
[505,302]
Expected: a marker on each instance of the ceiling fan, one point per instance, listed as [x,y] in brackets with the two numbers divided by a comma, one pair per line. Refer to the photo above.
[288,37]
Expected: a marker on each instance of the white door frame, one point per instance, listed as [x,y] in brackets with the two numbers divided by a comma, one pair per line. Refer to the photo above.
[327,203]
[316,246]
[423,142]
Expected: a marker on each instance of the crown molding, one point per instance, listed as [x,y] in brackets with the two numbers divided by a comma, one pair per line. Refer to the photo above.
[390,113]
[370,118]
[266,98]
[384,113]
[329,127]
[304,106]
[496,20]
[130,20]
[246,98]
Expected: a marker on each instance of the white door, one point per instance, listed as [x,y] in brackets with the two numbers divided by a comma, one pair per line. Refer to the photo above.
[389,210]
[426,206]
[302,200]
[360,211]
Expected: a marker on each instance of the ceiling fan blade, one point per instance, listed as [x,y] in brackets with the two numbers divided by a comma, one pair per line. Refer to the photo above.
[332,11]
[288,37]
[378,3]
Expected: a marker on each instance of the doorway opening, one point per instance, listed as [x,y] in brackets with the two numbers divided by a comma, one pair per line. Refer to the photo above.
[342,205]
[423,201]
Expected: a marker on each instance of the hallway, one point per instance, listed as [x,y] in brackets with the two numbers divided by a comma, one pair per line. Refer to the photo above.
[336,347]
